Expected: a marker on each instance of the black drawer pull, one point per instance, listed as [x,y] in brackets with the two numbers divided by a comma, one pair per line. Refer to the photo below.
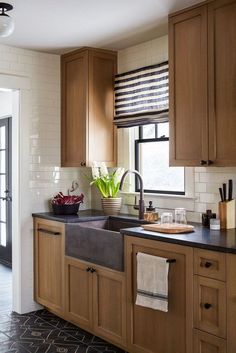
[92,270]
[88,269]
[83,164]
[48,231]
[203,162]
[207,306]
[209,162]
[206,264]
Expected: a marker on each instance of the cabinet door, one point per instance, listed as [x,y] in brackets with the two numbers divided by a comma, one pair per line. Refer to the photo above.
[74,95]
[102,132]
[188,87]
[231,302]
[109,305]
[205,343]
[154,331]
[222,78]
[49,263]
[210,306]
[78,293]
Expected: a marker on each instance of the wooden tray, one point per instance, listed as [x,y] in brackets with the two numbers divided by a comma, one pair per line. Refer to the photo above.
[170,228]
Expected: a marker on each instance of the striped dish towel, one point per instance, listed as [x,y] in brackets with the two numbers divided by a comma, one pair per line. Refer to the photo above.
[152,282]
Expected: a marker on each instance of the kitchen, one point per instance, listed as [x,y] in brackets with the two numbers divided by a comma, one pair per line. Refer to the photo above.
[42,176]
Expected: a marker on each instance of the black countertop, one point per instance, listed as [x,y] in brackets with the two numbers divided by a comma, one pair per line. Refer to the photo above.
[217,240]
[84,216]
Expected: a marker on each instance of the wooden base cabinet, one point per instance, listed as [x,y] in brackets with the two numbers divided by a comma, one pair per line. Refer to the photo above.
[49,264]
[78,293]
[210,306]
[96,300]
[87,95]
[153,331]
[231,302]
[205,343]
[109,305]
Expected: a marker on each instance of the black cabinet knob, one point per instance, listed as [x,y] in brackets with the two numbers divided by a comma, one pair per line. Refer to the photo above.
[207,306]
[209,162]
[203,162]
[83,164]
[208,264]
[88,269]
[92,270]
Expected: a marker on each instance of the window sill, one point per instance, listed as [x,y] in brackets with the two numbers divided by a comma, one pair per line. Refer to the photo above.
[160,201]
[164,196]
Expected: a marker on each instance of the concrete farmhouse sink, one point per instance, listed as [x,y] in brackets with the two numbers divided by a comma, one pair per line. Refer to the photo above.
[99,242]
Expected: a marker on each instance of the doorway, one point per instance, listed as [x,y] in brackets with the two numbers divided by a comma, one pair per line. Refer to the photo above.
[5,191]
[6,111]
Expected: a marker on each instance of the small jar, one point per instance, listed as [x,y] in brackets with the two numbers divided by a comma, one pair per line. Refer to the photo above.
[151,215]
[215,224]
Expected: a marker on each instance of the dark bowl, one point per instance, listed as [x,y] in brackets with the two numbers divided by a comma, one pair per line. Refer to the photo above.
[65,209]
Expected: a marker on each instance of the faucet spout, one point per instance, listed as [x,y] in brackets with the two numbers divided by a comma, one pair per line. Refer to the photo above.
[141,199]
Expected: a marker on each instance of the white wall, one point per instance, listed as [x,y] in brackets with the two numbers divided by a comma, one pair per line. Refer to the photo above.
[40,175]
[5,103]
[206,180]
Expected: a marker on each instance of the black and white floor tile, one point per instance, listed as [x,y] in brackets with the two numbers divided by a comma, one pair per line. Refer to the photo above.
[43,332]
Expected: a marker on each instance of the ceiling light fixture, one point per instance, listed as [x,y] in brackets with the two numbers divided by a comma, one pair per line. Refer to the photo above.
[6,22]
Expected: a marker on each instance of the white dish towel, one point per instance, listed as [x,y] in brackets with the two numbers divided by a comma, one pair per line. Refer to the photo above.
[152,282]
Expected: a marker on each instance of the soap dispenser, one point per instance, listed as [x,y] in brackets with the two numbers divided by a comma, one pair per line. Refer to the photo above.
[150,214]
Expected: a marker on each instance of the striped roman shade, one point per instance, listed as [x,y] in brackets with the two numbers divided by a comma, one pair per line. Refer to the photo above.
[142,96]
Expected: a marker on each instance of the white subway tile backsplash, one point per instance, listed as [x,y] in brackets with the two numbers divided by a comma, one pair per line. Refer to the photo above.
[200,187]
[208,198]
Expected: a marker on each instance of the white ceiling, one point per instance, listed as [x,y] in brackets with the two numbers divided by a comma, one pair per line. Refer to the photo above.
[60,25]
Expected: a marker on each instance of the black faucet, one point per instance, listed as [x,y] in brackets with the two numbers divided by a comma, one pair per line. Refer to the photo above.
[141,200]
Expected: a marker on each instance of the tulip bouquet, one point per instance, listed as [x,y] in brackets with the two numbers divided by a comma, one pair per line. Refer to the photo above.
[107,183]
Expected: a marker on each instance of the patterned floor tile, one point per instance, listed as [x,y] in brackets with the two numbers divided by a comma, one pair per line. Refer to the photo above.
[3,337]
[11,347]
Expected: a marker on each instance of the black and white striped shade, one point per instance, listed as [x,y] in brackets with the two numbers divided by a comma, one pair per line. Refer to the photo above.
[142,96]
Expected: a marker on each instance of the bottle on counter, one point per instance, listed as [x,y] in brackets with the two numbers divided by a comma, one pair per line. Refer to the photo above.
[150,214]
[206,218]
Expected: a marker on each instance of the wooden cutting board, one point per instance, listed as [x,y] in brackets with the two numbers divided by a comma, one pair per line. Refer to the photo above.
[170,228]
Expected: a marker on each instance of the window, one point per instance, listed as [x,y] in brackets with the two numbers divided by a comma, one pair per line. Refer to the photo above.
[152,161]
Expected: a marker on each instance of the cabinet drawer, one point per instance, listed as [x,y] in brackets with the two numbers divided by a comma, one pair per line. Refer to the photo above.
[205,343]
[209,264]
[210,306]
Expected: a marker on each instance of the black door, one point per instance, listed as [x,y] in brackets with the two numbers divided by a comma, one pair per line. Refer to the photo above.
[5,192]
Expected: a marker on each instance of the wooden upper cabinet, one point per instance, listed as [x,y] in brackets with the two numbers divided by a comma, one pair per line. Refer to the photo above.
[202,59]
[87,96]
[222,82]
[188,87]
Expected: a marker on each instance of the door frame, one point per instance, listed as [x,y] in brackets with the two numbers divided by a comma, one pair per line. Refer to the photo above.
[8,120]
[20,87]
